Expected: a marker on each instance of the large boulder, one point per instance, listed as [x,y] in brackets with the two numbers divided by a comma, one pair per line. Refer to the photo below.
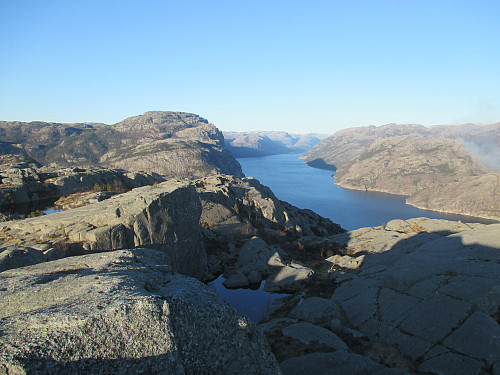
[14,256]
[123,312]
[165,217]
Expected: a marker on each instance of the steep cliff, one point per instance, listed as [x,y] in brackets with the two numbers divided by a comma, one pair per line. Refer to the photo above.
[169,143]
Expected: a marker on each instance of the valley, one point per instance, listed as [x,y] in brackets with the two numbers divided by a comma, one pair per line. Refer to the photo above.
[322,278]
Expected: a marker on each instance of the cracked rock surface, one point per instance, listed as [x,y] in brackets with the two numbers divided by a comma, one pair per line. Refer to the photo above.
[429,287]
[122,312]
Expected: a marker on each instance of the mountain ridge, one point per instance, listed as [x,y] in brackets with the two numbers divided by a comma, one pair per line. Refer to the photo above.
[175,144]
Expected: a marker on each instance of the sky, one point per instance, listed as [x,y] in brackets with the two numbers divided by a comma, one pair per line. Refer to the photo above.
[299,66]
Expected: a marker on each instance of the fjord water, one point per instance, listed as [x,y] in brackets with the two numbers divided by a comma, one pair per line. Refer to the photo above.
[294,181]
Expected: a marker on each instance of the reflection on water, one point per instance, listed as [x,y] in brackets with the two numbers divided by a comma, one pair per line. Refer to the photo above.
[254,304]
[294,181]
[52,210]
[32,209]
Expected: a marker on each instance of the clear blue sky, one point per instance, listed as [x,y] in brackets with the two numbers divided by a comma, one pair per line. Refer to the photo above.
[300,66]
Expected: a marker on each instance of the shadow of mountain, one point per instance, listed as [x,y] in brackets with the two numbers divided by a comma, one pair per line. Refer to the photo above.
[321,164]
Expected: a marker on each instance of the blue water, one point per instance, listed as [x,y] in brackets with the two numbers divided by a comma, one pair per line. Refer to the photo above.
[294,181]
[254,304]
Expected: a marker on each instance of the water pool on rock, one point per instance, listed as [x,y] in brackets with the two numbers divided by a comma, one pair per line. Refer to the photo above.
[253,303]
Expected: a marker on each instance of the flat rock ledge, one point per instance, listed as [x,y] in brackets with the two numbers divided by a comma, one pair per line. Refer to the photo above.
[122,312]
[429,287]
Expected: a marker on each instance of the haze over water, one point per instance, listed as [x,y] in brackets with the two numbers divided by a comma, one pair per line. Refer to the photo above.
[294,181]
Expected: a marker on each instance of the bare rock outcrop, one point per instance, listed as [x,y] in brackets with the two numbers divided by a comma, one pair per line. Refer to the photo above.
[180,217]
[24,184]
[123,312]
[414,296]
[239,208]
[428,287]
[164,217]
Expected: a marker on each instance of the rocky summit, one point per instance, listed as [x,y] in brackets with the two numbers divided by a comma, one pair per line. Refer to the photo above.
[168,143]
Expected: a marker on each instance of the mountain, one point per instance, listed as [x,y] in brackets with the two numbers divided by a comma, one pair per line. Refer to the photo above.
[435,174]
[348,144]
[169,143]
[434,168]
[250,144]
[405,165]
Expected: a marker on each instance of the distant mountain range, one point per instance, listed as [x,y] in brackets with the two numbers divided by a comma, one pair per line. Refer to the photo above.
[262,143]
[427,165]
[172,144]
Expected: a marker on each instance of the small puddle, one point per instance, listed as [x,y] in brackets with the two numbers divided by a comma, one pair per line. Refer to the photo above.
[253,303]
[52,210]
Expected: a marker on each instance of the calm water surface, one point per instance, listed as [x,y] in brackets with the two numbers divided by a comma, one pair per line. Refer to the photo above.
[294,181]
[253,303]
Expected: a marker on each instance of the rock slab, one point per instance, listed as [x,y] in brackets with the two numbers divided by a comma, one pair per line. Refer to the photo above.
[122,312]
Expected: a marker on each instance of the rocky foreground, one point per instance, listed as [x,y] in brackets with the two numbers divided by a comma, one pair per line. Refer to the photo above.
[419,295]
[111,287]
[122,312]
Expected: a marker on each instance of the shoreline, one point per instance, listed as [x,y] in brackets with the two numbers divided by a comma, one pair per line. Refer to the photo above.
[475,216]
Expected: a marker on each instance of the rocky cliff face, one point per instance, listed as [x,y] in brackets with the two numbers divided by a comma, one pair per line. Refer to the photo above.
[169,143]
[178,217]
[165,218]
[252,144]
